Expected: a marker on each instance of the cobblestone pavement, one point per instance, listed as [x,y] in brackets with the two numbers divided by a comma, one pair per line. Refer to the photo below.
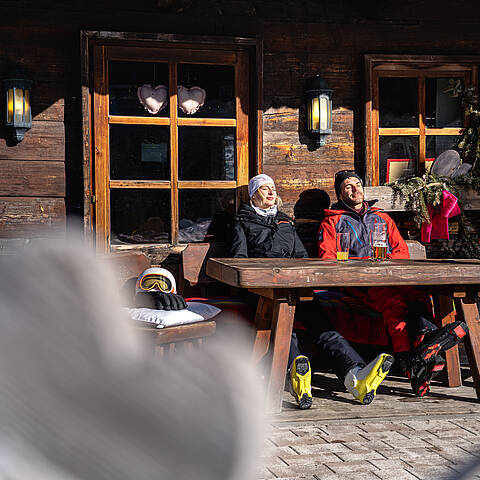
[397,437]
[407,448]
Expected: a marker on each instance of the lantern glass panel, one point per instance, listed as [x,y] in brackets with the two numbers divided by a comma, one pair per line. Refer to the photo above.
[10,105]
[323,113]
[18,103]
[28,111]
[315,113]
[330,114]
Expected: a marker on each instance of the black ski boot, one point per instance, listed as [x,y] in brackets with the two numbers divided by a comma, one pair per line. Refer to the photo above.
[441,340]
[421,373]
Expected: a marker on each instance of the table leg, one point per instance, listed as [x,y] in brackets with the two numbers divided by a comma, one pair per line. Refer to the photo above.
[472,340]
[282,325]
[263,328]
[447,315]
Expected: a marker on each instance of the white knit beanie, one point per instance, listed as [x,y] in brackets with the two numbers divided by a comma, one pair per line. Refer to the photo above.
[256,182]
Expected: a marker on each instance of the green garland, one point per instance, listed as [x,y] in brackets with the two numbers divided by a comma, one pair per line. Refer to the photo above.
[427,190]
[420,192]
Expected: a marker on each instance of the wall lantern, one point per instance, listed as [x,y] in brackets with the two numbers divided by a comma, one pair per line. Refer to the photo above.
[18,112]
[319,110]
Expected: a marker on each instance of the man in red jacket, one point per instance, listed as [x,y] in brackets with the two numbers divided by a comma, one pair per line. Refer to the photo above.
[355,215]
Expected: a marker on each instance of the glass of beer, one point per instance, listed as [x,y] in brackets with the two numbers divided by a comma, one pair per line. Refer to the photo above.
[343,246]
[378,241]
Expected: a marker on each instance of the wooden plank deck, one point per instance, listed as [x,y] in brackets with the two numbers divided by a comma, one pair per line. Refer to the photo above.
[394,399]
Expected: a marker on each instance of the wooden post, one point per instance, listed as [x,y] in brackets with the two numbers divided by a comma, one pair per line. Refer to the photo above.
[472,341]
[263,328]
[282,324]
[447,315]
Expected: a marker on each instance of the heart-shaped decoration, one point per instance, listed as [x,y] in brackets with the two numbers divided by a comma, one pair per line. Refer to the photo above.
[190,99]
[153,99]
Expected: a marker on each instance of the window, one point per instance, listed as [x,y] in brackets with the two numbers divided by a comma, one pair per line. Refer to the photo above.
[171,141]
[413,112]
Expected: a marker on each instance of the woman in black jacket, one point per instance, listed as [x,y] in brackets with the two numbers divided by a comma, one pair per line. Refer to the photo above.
[261,231]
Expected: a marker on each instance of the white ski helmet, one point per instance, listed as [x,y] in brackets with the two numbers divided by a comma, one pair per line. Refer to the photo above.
[156,279]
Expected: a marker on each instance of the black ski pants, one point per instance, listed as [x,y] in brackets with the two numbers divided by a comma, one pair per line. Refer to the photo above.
[337,352]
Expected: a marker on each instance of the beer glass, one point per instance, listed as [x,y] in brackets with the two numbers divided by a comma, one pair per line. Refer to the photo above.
[378,242]
[343,246]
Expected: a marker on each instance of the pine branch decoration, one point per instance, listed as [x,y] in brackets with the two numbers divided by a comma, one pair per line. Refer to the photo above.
[420,192]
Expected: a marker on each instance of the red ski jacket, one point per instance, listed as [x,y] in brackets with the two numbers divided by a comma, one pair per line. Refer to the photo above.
[390,301]
[341,218]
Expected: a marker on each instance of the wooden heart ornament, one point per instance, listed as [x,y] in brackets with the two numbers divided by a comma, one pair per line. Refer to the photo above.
[190,99]
[153,99]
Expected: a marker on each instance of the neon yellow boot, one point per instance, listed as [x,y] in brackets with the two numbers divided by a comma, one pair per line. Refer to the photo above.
[362,383]
[301,382]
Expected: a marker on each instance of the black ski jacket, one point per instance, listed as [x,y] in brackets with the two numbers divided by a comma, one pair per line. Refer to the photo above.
[256,236]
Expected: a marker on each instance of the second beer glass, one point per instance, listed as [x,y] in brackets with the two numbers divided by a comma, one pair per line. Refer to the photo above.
[378,242]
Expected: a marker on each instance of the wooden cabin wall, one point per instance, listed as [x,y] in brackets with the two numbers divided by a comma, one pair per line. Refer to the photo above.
[41,178]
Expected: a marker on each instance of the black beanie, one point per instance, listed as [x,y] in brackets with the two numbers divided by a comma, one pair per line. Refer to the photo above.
[341,176]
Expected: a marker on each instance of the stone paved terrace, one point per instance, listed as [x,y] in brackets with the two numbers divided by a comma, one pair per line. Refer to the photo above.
[398,436]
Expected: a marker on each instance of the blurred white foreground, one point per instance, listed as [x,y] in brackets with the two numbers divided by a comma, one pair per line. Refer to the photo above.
[80,400]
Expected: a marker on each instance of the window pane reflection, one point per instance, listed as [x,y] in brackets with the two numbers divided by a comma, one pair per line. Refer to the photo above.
[205,215]
[398,102]
[124,78]
[443,102]
[437,144]
[139,152]
[218,83]
[206,153]
[398,157]
[140,216]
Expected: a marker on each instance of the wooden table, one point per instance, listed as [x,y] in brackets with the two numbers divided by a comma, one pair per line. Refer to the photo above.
[280,283]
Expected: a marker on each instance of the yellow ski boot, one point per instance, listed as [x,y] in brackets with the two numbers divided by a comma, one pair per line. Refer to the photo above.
[300,382]
[362,383]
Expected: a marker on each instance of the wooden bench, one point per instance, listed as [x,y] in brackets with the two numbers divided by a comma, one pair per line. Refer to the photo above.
[127,267]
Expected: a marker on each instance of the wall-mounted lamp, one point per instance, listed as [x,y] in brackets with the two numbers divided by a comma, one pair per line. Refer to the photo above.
[18,111]
[319,110]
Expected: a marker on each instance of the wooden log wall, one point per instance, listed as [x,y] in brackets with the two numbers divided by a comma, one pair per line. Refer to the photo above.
[33,172]
[41,178]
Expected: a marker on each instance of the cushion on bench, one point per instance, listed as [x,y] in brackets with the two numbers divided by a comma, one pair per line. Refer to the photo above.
[195,312]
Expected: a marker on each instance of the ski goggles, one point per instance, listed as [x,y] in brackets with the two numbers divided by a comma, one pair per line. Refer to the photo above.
[158,281]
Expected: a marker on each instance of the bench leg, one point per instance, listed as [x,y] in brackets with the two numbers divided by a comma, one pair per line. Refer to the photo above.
[472,340]
[447,315]
[263,328]
[283,315]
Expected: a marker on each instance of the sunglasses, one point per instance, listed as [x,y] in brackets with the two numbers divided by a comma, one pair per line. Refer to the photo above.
[153,280]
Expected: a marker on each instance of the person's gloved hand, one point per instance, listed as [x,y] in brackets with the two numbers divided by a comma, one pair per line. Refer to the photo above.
[160,301]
